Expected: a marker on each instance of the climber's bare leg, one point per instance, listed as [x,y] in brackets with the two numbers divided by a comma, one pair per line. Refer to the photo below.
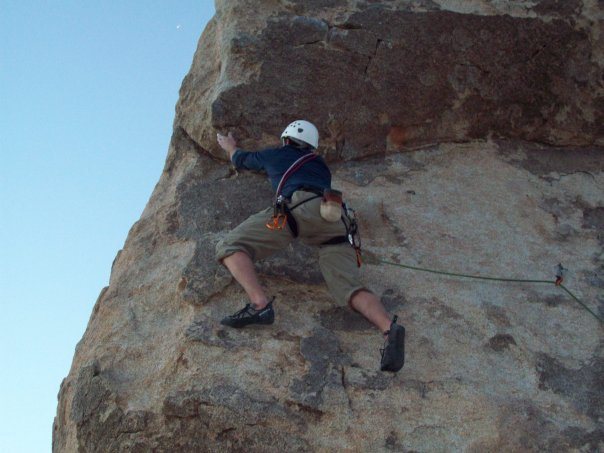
[371,308]
[242,268]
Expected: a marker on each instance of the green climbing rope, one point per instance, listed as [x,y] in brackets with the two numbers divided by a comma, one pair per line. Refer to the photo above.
[372,259]
[579,301]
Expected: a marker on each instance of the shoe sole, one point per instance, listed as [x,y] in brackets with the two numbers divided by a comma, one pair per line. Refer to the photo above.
[399,341]
[240,325]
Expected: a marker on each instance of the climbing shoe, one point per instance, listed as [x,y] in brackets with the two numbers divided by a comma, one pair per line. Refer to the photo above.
[249,315]
[393,353]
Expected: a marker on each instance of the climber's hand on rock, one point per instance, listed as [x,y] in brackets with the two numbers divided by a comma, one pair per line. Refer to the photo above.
[228,143]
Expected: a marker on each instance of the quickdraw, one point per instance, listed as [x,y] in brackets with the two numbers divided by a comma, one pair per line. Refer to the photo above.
[352,232]
[560,273]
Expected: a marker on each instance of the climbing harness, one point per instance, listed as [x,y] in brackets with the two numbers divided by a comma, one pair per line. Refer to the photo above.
[280,210]
[560,274]
[282,213]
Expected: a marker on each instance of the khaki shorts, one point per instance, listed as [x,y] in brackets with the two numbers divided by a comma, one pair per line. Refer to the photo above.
[338,262]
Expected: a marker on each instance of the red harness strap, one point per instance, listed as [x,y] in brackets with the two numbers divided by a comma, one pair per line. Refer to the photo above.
[292,169]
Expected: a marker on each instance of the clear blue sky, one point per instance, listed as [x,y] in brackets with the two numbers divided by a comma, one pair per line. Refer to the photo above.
[87,96]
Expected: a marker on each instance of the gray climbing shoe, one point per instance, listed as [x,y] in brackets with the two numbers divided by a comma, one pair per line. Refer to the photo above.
[393,353]
[249,315]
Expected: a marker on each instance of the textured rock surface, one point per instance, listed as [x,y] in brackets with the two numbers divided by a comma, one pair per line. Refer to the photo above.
[490,367]
[394,74]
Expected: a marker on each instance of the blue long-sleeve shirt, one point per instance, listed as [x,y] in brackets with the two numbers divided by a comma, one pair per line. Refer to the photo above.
[276,161]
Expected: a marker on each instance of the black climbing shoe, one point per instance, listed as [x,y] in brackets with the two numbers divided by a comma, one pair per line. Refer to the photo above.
[248,315]
[393,354]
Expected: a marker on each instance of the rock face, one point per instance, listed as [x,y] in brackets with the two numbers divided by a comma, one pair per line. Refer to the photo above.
[394,74]
[490,366]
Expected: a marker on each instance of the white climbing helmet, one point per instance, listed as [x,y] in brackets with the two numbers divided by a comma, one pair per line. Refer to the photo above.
[302,131]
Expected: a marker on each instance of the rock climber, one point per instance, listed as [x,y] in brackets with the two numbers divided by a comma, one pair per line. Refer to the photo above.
[301,179]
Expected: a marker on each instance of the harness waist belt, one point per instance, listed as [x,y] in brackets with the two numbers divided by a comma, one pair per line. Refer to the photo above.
[335,241]
[314,190]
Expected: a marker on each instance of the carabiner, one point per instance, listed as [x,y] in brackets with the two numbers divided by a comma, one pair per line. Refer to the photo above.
[277,222]
[560,274]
